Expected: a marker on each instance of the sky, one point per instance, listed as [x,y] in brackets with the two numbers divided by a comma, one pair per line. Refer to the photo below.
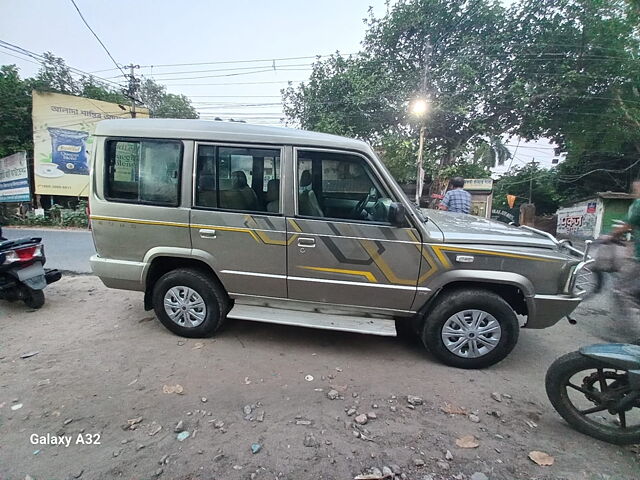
[226,37]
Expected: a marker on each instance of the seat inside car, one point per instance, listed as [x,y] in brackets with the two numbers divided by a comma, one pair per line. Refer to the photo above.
[307,201]
[273,196]
[241,196]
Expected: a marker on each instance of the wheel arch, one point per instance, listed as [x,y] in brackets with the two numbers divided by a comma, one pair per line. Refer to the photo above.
[514,288]
[163,261]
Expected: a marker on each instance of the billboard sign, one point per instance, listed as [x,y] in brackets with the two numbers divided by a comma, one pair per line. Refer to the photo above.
[62,129]
[14,178]
[481,184]
[577,221]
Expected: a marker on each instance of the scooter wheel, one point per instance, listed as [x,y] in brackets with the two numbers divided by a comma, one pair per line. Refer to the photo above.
[34,299]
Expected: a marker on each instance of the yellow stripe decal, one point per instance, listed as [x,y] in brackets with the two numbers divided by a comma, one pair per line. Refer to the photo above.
[295,225]
[368,275]
[425,254]
[372,250]
[142,222]
[441,256]
[438,249]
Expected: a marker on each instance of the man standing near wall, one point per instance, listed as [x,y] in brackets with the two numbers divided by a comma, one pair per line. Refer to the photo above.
[458,199]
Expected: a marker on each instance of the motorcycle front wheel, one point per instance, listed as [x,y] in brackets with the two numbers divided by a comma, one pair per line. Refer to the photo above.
[585,392]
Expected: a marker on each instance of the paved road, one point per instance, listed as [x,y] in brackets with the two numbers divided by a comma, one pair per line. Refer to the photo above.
[65,249]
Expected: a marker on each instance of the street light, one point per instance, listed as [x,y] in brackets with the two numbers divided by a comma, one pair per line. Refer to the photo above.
[419,108]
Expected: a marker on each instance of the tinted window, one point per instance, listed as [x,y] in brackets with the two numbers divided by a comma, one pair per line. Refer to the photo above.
[245,179]
[145,171]
[341,186]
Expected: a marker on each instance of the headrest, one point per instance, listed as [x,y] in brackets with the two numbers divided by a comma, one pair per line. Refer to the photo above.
[273,190]
[238,179]
[305,178]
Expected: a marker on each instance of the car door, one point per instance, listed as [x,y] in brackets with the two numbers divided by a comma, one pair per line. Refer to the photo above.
[342,249]
[236,217]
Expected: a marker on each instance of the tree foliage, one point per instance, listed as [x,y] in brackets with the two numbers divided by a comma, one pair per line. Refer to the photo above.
[15,112]
[165,105]
[446,50]
[543,184]
[568,70]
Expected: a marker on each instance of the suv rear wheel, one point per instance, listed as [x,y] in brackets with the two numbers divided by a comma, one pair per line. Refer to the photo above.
[189,303]
[470,329]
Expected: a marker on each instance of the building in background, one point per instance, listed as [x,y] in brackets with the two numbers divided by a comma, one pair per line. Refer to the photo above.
[481,190]
[62,129]
[590,218]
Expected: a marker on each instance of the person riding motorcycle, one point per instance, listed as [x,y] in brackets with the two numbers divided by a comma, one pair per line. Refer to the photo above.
[629,284]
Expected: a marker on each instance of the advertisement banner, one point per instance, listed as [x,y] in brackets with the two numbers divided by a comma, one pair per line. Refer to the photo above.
[14,178]
[62,129]
[577,221]
[484,184]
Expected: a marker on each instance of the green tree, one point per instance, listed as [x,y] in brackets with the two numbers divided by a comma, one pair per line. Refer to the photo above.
[451,48]
[491,152]
[165,105]
[90,88]
[543,184]
[578,72]
[55,76]
[15,112]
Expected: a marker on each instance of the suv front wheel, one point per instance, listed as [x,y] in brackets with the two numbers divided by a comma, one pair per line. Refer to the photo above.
[189,302]
[470,329]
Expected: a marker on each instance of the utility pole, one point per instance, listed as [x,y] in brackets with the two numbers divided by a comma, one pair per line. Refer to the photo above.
[533,164]
[423,91]
[134,86]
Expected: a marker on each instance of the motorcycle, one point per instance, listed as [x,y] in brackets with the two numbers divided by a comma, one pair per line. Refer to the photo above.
[22,273]
[597,391]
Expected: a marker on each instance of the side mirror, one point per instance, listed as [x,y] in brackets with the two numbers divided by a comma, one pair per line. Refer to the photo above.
[397,214]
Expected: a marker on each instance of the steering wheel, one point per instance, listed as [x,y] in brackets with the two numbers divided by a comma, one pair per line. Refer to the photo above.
[356,213]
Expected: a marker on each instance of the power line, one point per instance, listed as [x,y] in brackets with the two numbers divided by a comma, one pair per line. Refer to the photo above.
[97,38]
[41,59]
[230,83]
[20,58]
[230,62]
[235,69]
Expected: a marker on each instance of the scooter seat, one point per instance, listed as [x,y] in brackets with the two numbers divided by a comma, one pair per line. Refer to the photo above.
[619,355]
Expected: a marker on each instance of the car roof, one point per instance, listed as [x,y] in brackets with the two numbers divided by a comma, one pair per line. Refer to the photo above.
[220,131]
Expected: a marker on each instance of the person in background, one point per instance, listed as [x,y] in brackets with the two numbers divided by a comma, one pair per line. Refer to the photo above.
[629,282]
[457,199]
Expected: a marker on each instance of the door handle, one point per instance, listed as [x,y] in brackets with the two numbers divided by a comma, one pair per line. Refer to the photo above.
[206,233]
[306,242]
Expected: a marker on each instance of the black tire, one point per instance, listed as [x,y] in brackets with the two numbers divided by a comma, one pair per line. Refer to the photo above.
[450,303]
[407,328]
[558,375]
[209,289]
[34,298]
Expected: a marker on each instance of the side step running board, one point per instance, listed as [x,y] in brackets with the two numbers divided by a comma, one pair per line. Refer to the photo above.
[323,321]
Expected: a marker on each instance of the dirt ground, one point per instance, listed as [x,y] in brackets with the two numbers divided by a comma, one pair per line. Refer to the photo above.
[103,366]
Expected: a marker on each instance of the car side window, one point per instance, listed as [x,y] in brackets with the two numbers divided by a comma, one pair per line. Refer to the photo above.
[340,186]
[143,171]
[238,178]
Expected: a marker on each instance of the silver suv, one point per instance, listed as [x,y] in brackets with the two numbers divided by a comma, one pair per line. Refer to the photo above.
[216,220]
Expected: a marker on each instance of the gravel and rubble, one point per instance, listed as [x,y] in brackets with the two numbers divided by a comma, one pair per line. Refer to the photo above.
[374,408]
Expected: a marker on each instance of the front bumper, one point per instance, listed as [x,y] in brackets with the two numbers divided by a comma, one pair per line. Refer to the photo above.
[547,310]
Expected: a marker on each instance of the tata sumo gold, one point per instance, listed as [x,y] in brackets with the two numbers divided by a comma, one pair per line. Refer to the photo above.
[220,220]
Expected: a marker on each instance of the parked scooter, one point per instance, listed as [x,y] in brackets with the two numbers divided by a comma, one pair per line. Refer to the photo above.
[597,391]
[22,273]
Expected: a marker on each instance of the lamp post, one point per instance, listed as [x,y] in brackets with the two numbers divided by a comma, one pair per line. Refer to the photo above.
[419,108]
